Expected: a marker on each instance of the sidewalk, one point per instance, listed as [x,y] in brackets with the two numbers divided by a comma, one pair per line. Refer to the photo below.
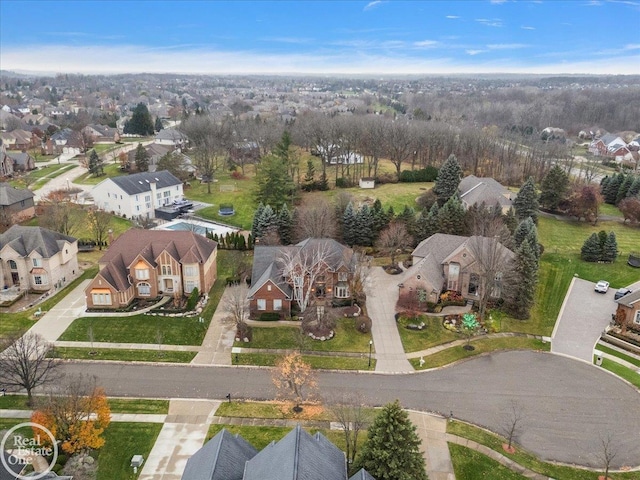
[432,430]
[218,341]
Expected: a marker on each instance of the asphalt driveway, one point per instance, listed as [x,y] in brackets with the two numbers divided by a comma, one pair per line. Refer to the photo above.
[583,317]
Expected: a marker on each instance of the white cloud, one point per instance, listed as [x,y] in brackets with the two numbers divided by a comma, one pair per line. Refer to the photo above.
[427,44]
[490,22]
[632,46]
[373,4]
[527,27]
[135,59]
[506,46]
[594,3]
[498,2]
[452,17]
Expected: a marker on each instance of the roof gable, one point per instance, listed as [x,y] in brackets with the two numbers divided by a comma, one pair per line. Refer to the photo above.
[10,195]
[26,240]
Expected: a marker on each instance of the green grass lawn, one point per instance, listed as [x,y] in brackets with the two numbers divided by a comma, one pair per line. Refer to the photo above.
[453,354]
[124,355]
[17,323]
[37,177]
[471,465]
[621,371]
[268,410]
[610,210]
[122,441]
[433,334]
[110,170]
[138,405]
[346,339]
[316,361]
[527,459]
[616,353]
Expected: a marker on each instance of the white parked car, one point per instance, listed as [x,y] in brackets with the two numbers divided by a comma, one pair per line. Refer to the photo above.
[602,286]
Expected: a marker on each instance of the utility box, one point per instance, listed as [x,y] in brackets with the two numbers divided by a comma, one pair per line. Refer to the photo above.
[137,461]
[598,355]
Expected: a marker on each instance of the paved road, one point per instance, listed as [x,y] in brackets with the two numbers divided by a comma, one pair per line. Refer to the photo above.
[583,317]
[566,405]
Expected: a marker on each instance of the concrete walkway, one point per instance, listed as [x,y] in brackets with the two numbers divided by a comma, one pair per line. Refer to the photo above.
[218,341]
[432,430]
[382,296]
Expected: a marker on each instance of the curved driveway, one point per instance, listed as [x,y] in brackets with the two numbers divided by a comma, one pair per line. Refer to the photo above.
[567,405]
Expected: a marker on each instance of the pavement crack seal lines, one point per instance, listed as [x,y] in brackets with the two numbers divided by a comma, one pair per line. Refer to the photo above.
[24,449]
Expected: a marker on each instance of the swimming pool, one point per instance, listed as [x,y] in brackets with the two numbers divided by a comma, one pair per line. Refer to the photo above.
[196,226]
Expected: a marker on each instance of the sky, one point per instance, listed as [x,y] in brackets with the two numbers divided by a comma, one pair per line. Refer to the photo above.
[389,37]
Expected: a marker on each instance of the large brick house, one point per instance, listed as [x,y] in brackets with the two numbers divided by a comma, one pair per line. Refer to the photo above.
[281,275]
[148,263]
[37,259]
[628,312]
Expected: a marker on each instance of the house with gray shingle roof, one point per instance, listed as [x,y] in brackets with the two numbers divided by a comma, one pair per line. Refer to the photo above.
[146,264]
[298,456]
[448,262]
[16,204]
[272,291]
[479,190]
[137,195]
[36,258]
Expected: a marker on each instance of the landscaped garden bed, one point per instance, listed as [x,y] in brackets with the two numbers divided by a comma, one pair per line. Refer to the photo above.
[431,334]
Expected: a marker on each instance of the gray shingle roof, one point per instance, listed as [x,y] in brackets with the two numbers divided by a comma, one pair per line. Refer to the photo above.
[25,240]
[141,182]
[298,456]
[478,190]
[221,458]
[629,299]
[10,195]
[362,474]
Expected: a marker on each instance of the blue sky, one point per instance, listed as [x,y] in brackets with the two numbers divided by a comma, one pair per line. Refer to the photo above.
[319,37]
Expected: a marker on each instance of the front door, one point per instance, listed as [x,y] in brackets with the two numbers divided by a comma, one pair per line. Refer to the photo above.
[168,285]
[15,278]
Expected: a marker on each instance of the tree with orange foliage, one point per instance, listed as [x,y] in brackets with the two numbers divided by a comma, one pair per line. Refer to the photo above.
[294,379]
[77,418]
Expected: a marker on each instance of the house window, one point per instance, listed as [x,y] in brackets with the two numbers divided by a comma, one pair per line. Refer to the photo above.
[474,281]
[262,304]
[342,291]
[37,262]
[297,281]
[637,319]
[158,195]
[40,279]
[142,273]
[147,198]
[189,285]
[144,289]
[101,298]
[190,271]
[166,194]
[342,276]
[13,265]
[166,270]
[277,304]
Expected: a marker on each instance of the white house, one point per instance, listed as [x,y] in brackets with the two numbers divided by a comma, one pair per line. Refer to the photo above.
[173,137]
[34,258]
[137,195]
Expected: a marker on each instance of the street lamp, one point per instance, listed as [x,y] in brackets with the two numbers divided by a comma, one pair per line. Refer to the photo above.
[370,345]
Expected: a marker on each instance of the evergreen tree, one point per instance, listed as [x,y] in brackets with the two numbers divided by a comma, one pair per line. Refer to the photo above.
[590,251]
[323,184]
[634,190]
[96,166]
[610,190]
[610,249]
[380,219]
[451,217]
[521,297]
[158,125]
[141,159]
[602,239]
[624,188]
[449,177]
[273,185]
[309,177]
[427,223]
[140,122]
[364,234]
[510,221]
[256,220]
[349,225]
[522,232]
[268,222]
[554,188]
[408,217]
[392,448]
[285,225]
[526,202]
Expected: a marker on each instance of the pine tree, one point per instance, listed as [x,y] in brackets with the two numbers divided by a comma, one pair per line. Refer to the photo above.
[349,225]
[522,232]
[141,159]
[448,180]
[392,448]
[451,217]
[510,221]
[521,297]
[554,188]
[158,125]
[634,190]
[309,177]
[590,251]
[323,184]
[268,221]
[140,122]
[285,225]
[273,184]
[610,191]
[625,186]
[256,220]
[96,167]
[364,234]
[408,217]
[610,249]
[427,223]
[526,202]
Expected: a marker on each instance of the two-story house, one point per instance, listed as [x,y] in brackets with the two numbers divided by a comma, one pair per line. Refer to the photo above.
[37,259]
[137,195]
[148,263]
[314,269]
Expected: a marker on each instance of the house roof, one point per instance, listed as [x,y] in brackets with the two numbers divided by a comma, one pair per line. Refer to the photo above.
[20,158]
[141,182]
[298,456]
[170,134]
[362,474]
[483,189]
[10,195]
[25,240]
[221,458]
[630,299]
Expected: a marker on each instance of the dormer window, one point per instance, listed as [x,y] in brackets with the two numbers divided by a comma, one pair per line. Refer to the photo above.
[142,273]
[37,262]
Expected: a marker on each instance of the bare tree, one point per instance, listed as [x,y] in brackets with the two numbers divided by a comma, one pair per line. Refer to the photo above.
[394,239]
[236,303]
[348,411]
[608,453]
[399,143]
[302,267]
[315,219]
[359,280]
[99,221]
[59,213]
[25,362]
[510,423]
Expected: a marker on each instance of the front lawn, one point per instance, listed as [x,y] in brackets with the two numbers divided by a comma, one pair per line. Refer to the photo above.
[483,345]
[138,405]
[110,170]
[124,355]
[620,355]
[433,334]
[621,371]
[316,361]
[346,339]
[469,464]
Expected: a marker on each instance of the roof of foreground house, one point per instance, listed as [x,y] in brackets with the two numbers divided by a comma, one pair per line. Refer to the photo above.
[141,182]
[25,240]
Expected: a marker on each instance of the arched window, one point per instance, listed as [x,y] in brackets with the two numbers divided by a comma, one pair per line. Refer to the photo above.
[144,289]
[13,265]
